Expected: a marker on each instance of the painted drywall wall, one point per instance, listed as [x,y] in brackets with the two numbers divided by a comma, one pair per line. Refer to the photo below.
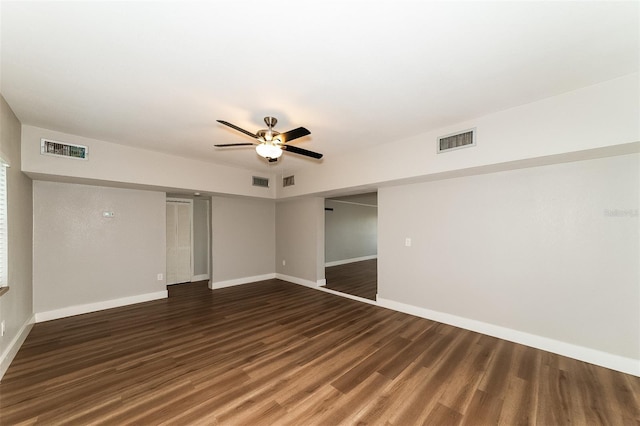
[201,235]
[83,258]
[300,240]
[600,116]
[243,239]
[113,163]
[351,231]
[604,115]
[552,251]
[16,306]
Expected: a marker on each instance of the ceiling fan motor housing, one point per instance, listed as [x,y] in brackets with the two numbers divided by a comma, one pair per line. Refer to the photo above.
[262,135]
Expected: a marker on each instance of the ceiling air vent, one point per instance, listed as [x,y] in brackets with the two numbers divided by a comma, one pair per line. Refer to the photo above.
[260,181]
[288,181]
[457,140]
[61,149]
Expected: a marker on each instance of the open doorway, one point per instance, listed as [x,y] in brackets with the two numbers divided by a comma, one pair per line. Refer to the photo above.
[351,244]
[188,239]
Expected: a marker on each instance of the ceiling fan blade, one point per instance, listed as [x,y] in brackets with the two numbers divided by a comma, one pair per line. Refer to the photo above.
[296,150]
[222,145]
[293,134]
[233,126]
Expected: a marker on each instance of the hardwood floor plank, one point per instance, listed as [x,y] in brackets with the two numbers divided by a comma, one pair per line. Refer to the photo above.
[443,415]
[519,403]
[347,406]
[428,393]
[310,409]
[521,397]
[396,396]
[277,353]
[408,355]
[483,410]
[356,278]
[585,397]
[361,371]
[554,403]
[495,381]
[624,389]
[463,383]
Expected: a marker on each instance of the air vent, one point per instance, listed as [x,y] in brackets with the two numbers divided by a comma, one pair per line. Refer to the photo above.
[457,140]
[288,181]
[61,149]
[260,181]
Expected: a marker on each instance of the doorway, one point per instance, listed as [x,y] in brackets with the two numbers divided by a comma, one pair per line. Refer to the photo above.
[179,241]
[351,244]
[188,236]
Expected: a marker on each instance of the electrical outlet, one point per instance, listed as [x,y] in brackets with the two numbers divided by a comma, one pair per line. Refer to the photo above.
[2,328]
[284,262]
[160,277]
[407,242]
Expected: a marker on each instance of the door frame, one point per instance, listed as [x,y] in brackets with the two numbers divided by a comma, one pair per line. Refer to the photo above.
[190,202]
[206,276]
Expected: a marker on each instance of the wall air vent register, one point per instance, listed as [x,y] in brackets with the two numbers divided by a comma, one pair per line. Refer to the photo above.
[260,181]
[457,140]
[62,149]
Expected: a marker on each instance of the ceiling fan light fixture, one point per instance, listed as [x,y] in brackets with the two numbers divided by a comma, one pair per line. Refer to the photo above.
[271,143]
[268,150]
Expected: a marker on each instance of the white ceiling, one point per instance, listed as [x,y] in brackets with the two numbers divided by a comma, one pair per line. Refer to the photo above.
[158,75]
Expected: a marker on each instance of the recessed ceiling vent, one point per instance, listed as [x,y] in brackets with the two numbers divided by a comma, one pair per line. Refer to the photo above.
[288,181]
[457,141]
[61,149]
[260,181]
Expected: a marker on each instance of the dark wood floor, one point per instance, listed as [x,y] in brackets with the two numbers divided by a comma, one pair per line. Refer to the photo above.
[278,353]
[357,278]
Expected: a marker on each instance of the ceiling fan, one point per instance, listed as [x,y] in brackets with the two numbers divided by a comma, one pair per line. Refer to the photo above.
[269,143]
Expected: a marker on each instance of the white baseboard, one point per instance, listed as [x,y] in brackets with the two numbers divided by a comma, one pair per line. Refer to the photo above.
[12,349]
[321,283]
[239,281]
[296,280]
[593,356]
[349,296]
[99,306]
[201,277]
[345,261]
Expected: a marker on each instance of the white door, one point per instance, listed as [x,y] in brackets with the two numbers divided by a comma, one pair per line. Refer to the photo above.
[179,241]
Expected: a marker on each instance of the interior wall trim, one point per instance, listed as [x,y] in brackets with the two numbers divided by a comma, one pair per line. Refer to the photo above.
[240,281]
[99,306]
[352,260]
[14,346]
[200,277]
[593,356]
[296,280]
[349,296]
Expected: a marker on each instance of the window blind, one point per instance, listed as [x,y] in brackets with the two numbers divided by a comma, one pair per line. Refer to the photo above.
[4,250]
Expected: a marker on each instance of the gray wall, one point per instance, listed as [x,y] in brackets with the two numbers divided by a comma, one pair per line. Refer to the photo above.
[300,238]
[201,233]
[16,306]
[243,238]
[552,251]
[80,257]
[351,231]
